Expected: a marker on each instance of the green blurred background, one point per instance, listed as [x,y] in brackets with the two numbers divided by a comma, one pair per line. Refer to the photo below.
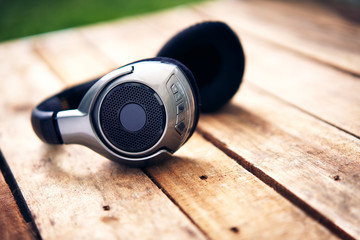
[19,18]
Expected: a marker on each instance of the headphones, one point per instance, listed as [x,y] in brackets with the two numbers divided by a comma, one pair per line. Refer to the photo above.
[143,112]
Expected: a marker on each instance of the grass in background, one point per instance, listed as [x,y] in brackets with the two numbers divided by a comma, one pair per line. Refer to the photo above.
[19,18]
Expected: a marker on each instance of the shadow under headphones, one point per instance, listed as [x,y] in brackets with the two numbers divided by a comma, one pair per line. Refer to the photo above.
[144,111]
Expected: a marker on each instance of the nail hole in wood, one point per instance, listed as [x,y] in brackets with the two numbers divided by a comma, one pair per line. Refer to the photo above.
[203,177]
[337,178]
[106,208]
[234,230]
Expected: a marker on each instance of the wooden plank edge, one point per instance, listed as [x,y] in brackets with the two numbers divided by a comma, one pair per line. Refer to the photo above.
[279,188]
[303,110]
[172,199]
[27,219]
[303,54]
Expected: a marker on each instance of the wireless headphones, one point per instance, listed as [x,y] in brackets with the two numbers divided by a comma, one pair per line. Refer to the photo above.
[144,111]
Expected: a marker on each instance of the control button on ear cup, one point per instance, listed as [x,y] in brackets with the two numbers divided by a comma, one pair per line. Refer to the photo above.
[178,96]
[174,88]
[180,108]
[132,117]
[180,128]
[180,117]
[182,111]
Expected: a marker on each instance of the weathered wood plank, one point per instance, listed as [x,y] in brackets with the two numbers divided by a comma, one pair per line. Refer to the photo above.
[305,158]
[12,224]
[74,70]
[305,27]
[228,202]
[100,35]
[328,94]
[71,191]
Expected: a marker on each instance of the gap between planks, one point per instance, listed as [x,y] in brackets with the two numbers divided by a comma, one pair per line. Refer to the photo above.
[173,200]
[305,111]
[278,187]
[15,218]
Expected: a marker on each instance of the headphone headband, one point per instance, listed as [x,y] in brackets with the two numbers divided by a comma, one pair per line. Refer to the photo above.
[43,117]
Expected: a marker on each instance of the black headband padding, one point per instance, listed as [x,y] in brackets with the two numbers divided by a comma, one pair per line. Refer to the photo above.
[213,53]
[43,117]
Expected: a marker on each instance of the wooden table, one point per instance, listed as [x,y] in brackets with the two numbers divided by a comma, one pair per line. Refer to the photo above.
[281,161]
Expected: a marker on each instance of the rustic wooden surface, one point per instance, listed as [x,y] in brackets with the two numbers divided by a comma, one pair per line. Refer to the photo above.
[12,223]
[281,160]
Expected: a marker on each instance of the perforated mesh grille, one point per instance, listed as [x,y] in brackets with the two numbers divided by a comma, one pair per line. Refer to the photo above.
[126,140]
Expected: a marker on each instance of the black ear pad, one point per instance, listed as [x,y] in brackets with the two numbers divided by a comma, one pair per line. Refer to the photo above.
[213,53]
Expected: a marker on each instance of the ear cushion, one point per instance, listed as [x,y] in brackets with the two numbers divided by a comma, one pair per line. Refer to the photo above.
[213,53]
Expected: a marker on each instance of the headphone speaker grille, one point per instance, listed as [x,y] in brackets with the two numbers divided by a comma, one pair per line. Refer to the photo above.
[132,139]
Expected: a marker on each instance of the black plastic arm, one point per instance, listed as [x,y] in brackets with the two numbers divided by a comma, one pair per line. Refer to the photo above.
[43,116]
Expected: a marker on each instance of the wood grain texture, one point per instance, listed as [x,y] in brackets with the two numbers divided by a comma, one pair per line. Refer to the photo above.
[307,28]
[71,59]
[213,216]
[71,191]
[313,161]
[339,162]
[325,92]
[74,193]
[342,149]
[228,202]
[12,224]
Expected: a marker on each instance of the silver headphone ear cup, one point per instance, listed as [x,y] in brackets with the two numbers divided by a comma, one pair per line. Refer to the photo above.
[137,114]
